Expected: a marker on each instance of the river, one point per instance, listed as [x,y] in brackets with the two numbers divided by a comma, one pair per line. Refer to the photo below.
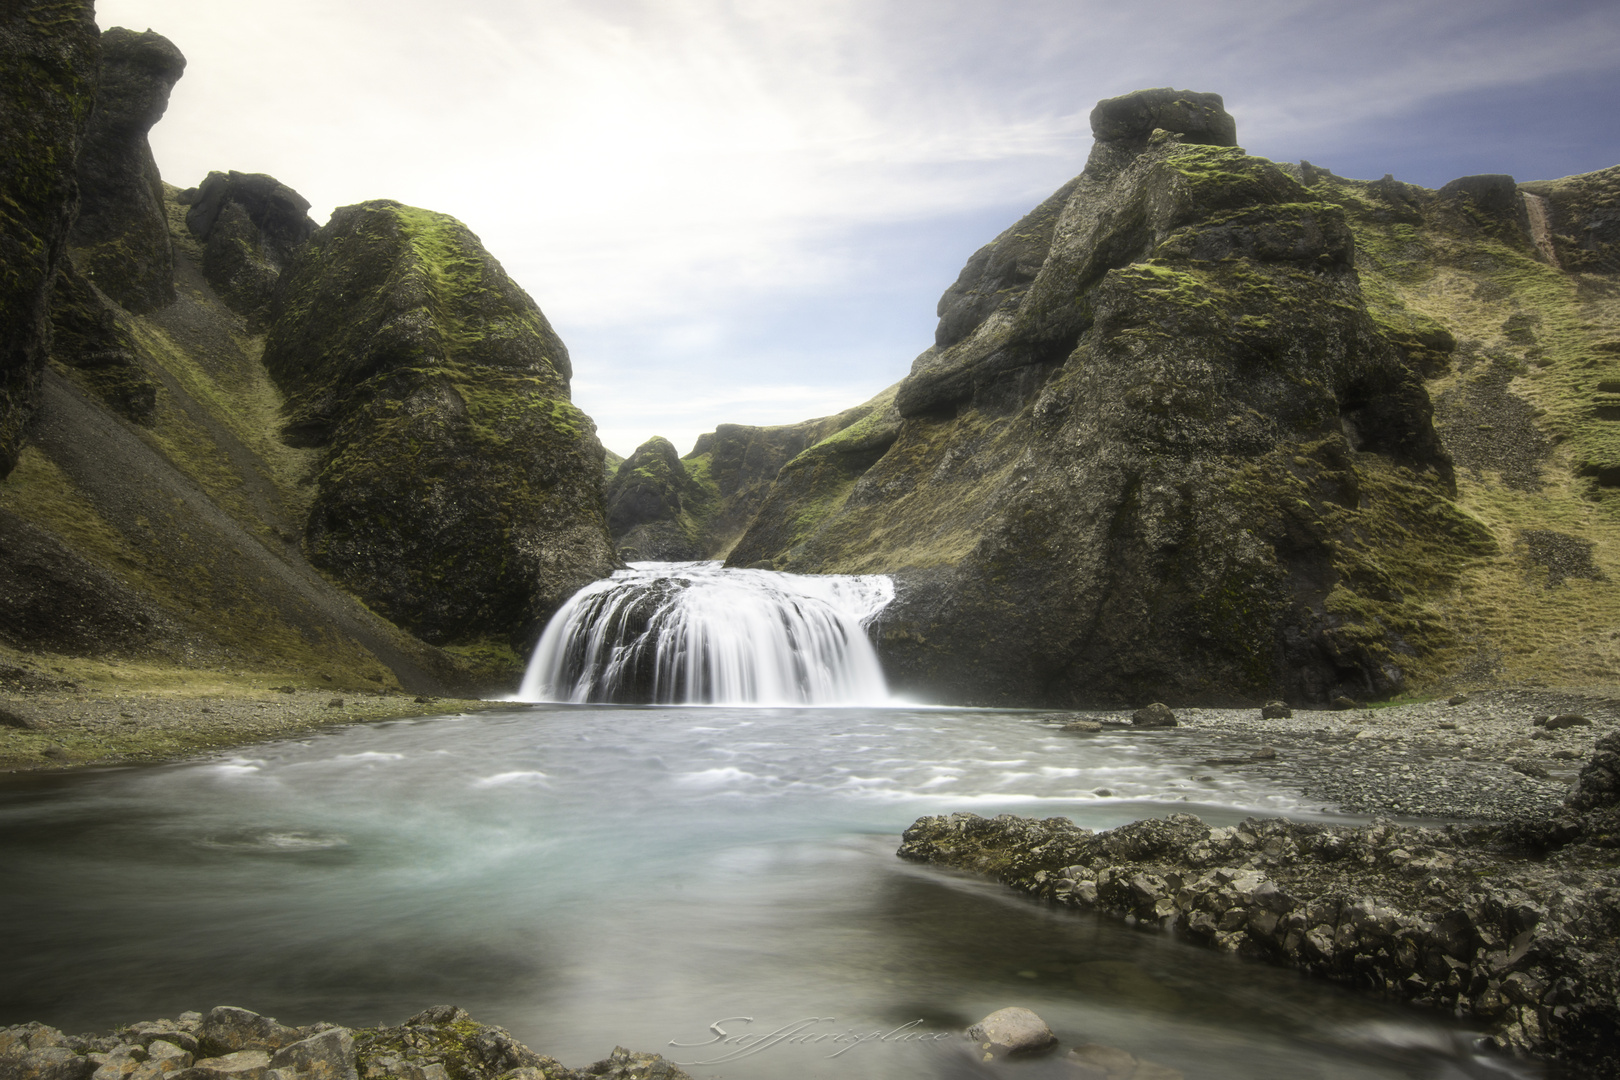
[591,875]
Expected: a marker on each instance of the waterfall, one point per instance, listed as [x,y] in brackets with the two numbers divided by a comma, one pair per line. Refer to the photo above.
[689,633]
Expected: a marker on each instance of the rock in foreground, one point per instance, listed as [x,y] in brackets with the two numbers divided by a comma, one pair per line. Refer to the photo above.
[229,1043]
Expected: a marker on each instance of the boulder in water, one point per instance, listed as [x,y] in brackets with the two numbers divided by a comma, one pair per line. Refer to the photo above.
[1012,1031]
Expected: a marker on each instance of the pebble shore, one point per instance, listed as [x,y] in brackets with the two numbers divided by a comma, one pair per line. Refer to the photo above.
[1483,759]
[58,728]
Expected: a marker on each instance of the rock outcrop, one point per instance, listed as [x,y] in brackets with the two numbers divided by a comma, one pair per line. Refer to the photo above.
[699,506]
[49,53]
[251,226]
[452,483]
[654,506]
[459,491]
[1158,449]
[229,1043]
[1471,920]
[121,237]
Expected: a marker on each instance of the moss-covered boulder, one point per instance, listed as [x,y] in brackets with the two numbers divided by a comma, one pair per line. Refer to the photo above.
[654,506]
[251,225]
[121,237]
[49,51]
[460,491]
[1159,450]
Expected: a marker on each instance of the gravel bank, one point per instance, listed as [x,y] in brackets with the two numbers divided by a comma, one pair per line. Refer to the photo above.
[59,728]
[1484,759]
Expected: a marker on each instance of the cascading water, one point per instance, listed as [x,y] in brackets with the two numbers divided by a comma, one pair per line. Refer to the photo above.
[693,633]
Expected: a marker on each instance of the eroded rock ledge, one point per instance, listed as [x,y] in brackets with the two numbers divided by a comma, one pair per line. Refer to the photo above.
[1515,927]
[228,1043]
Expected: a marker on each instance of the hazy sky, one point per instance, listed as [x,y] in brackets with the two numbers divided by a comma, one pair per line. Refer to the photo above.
[745,210]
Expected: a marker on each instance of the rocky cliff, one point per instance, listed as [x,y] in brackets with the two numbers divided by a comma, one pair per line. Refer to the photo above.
[699,506]
[460,490]
[49,54]
[1176,437]
[177,497]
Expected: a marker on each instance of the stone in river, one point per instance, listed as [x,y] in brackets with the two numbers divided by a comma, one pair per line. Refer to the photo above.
[1155,715]
[1013,1030]
[1275,710]
[1565,720]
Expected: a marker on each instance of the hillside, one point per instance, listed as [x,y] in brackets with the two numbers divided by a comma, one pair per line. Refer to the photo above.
[1210,428]
[242,450]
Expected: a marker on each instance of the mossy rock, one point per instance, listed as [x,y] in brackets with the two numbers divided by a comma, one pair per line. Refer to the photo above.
[460,491]
[49,55]
[1145,470]
[121,236]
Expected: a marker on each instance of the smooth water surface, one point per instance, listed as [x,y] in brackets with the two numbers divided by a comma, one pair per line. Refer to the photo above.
[592,875]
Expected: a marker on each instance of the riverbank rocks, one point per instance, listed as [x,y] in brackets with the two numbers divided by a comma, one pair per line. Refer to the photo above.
[1012,1031]
[441,1043]
[227,1029]
[1275,710]
[1599,785]
[1156,715]
[1513,927]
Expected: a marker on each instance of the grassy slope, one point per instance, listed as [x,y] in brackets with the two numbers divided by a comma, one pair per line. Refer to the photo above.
[1517,406]
[217,425]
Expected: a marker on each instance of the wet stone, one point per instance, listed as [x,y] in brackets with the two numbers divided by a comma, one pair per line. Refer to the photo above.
[1012,1031]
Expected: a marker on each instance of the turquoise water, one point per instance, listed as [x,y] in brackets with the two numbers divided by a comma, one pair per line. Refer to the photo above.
[592,875]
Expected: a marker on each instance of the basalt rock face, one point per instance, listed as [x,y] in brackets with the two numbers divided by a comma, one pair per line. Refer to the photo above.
[650,505]
[49,52]
[88,336]
[1158,449]
[460,491]
[699,506]
[121,237]
[251,226]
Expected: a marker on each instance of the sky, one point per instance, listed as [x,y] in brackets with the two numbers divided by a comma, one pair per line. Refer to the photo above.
[744,211]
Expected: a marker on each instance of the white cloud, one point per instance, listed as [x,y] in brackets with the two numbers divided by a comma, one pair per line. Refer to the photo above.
[658,174]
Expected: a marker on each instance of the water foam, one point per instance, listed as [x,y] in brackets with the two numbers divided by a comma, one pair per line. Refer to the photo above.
[699,633]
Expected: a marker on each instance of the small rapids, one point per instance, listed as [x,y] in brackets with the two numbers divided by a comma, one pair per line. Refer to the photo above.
[699,633]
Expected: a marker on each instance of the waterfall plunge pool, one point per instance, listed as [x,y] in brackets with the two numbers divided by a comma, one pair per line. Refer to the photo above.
[592,875]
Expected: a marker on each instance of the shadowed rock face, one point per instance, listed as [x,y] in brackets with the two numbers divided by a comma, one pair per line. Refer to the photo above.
[460,493]
[251,226]
[121,238]
[1136,462]
[649,501]
[48,58]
